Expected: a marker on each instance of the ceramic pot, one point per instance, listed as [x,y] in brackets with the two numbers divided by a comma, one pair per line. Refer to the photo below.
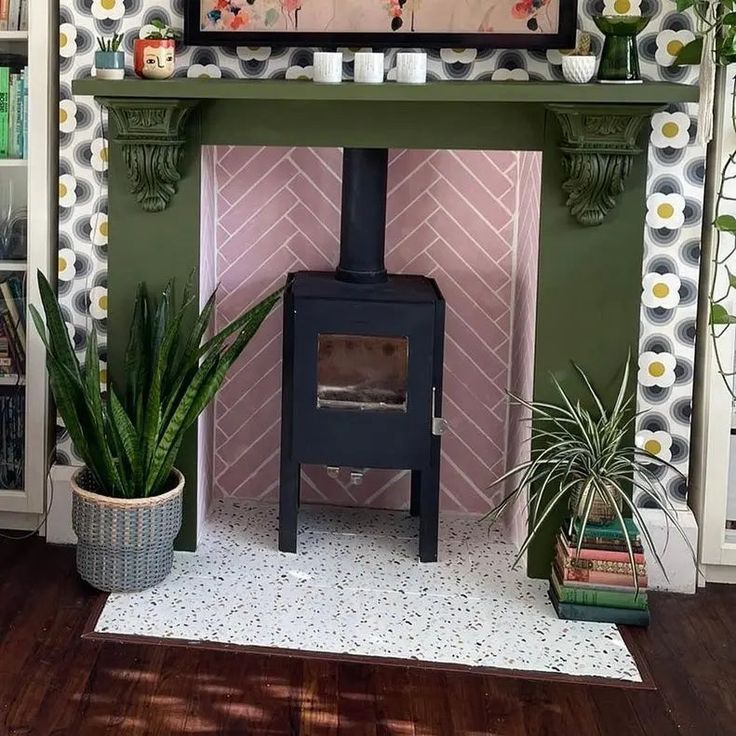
[124,543]
[109,64]
[601,512]
[155,59]
[578,69]
[620,58]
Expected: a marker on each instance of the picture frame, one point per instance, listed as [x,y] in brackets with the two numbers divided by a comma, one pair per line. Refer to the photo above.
[284,23]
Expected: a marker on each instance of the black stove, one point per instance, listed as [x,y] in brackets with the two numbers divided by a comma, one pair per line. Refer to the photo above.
[362,363]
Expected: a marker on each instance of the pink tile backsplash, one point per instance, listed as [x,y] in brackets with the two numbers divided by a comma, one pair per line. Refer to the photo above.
[452,215]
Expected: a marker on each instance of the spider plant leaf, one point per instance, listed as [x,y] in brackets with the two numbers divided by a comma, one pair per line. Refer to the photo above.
[592,391]
[629,550]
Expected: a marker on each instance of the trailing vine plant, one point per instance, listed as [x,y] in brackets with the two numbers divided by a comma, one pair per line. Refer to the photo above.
[716,44]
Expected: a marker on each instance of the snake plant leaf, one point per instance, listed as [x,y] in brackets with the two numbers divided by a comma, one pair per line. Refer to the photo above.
[131,447]
[57,331]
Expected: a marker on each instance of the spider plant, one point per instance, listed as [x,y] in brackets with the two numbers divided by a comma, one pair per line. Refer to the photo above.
[582,456]
[130,445]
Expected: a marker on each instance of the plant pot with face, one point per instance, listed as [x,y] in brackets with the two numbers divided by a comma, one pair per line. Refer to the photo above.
[127,501]
[155,58]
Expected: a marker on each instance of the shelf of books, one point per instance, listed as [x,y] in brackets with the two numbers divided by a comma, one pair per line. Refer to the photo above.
[27,225]
[596,582]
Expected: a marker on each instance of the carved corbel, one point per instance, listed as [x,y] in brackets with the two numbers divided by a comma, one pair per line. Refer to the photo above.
[598,147]
[151,133]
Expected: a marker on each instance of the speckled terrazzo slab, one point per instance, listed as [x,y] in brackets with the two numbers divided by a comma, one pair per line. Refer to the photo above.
[357,587]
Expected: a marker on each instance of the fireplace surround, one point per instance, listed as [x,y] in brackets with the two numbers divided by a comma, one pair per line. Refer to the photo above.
[591,139]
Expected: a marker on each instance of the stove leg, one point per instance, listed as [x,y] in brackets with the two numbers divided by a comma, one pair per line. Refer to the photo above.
[430,512]
[416,492]
[288,505]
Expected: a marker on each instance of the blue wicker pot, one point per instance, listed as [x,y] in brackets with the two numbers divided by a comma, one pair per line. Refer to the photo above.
[124,544]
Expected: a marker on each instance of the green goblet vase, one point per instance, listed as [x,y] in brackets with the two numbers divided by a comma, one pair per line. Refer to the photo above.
[620,59]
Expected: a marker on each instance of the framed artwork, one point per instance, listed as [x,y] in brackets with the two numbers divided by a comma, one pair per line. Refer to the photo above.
[529,24]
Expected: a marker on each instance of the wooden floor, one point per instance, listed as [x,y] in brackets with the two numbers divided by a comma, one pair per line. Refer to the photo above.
[54,682]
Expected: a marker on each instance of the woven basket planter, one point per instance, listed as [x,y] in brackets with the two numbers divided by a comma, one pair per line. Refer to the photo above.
[601,512]
[124,543]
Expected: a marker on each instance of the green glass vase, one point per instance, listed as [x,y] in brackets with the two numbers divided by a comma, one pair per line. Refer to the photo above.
[620,59]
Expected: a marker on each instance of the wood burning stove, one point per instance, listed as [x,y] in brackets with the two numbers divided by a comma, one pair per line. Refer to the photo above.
[362,367]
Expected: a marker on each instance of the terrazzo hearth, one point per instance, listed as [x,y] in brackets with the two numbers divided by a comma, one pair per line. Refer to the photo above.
[357,587]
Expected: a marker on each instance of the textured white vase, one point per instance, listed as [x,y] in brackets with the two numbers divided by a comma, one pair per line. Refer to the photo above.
[578,69]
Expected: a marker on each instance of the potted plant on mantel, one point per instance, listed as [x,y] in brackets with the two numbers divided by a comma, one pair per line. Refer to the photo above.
[109,59]
[155,51]
[581,457]
[127,499]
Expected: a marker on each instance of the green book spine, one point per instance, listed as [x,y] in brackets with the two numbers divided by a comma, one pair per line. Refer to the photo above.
[599,614]
[4,120]
[607,531]
[595,597]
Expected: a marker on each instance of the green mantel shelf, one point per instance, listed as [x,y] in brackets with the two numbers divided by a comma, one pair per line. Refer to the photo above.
[601,124]
[661,93]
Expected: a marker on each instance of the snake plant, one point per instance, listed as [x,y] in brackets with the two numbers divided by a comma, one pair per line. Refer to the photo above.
[582,457]
[130,443]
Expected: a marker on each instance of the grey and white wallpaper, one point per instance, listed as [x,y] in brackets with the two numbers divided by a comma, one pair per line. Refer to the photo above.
[674,191]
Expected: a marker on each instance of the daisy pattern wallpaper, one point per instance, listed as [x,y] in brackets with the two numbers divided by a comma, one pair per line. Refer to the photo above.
[670,239]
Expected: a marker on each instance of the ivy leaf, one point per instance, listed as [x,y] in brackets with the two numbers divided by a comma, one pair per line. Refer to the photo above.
[719,315]
[726,223]
[729,19]
[683,5]
[691,53]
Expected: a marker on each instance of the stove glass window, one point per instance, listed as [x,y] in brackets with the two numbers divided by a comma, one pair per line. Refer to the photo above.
[369,373]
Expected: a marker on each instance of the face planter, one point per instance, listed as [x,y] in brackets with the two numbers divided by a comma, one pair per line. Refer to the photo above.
[154,59]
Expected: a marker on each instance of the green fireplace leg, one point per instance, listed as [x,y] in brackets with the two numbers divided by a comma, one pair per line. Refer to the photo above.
[156,247]
[589,293]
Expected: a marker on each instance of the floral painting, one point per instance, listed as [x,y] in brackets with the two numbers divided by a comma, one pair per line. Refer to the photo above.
[394,18]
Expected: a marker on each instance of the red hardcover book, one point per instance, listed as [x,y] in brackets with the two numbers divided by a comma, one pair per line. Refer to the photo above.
[569,574]
[599,554]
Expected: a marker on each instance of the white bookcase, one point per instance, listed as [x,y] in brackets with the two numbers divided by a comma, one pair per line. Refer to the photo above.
[34,185]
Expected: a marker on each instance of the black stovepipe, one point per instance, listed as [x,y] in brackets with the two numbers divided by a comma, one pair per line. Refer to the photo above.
[363,229]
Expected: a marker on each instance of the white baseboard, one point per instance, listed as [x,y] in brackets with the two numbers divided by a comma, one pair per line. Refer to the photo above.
[14,521]
[719,574]
[59,497]
[673,551]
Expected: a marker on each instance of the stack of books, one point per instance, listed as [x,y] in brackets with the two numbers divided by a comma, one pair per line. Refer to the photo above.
[13,112]
[12,328]
[598,584]
[14,15]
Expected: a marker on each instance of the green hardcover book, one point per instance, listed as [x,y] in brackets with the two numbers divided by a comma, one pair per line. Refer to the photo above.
[606,531]
[592,596]
[599,614]
[4,120]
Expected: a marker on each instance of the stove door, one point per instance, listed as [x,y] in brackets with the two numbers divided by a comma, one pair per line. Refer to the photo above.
[362,383]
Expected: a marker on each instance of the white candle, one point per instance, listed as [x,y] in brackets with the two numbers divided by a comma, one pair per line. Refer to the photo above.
[327,67]
[368,68]
[411,68]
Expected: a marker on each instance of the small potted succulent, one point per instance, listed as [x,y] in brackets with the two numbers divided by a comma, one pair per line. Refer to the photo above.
[109,59]
[578,65]
[155,51]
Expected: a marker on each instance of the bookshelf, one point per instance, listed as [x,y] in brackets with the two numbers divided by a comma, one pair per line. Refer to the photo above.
[31,183]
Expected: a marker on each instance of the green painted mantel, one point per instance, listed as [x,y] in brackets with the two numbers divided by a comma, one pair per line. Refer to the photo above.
[592,138]
[600,123]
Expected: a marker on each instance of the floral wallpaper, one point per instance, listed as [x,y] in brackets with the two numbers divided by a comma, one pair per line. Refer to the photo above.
[674,191]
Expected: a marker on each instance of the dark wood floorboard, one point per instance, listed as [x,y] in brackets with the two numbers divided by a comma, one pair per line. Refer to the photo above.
[55,683]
